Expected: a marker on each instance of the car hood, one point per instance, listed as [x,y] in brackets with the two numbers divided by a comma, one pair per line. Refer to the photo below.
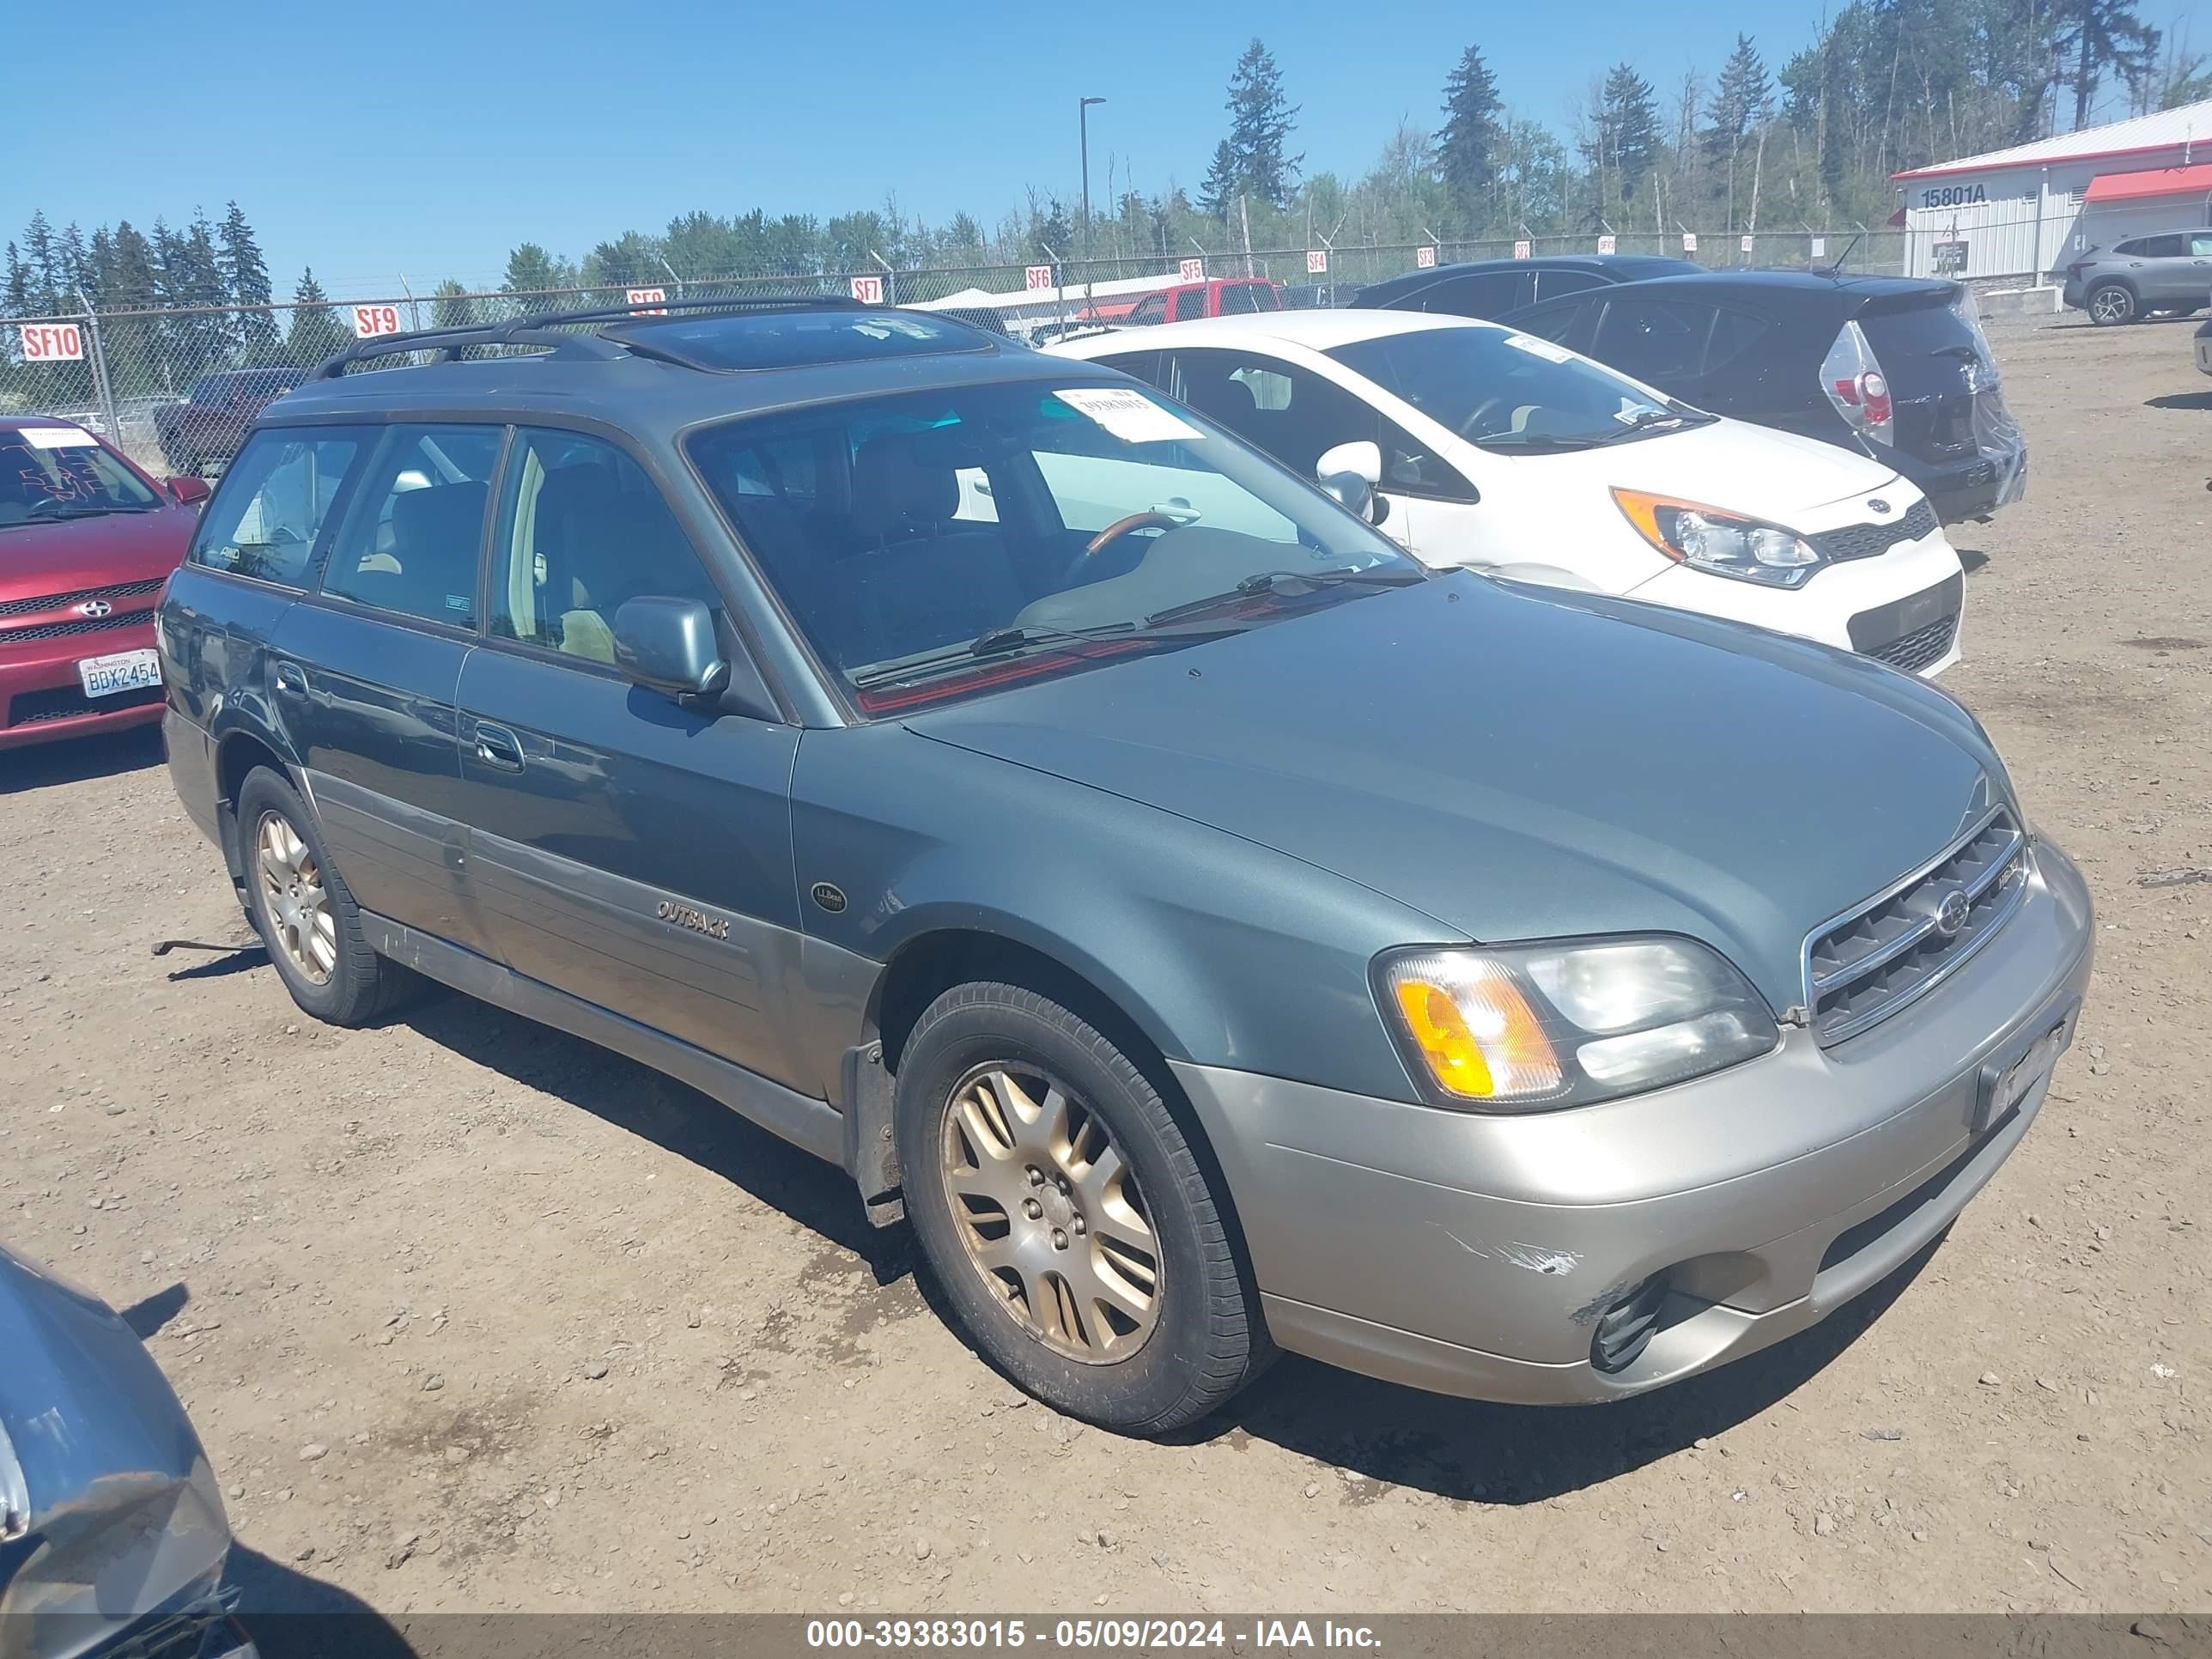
[1524,762]
[1731,465]
[41,559]
[112,1509]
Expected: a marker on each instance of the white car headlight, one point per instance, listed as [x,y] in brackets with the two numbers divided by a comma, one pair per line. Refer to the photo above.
[1725,544]
[1532,1027]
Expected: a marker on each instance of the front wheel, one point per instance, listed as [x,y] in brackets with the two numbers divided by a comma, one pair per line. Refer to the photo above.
[2111,304]
[1064,1213]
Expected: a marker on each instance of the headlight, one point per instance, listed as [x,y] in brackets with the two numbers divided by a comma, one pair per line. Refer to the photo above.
[1532,1027]
[1726,543]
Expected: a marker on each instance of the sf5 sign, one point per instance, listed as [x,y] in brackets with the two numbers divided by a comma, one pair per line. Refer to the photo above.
[51,343]
[369,321]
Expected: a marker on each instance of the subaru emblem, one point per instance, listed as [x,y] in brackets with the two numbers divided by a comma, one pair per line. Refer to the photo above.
[1876,504]
[94,608]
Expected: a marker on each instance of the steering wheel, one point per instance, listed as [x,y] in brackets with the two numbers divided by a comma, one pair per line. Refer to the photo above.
[1482,408]
[1151,519]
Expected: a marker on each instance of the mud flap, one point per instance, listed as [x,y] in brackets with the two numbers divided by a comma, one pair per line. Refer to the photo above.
[870,1158]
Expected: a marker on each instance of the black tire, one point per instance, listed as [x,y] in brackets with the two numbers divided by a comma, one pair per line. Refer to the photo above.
[1207,1339]
[360,987]
[2111,304]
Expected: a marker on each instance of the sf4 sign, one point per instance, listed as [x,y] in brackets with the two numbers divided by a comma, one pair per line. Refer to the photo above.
[868,290]
[1316,262]
[51,343]
[1037,278]
[369,321]
[647,302]
[1194,271]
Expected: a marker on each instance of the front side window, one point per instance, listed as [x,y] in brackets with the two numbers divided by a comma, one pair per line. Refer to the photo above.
[53,473]
[410,542]
[2200,245]
[582,529]
[1500,389]
[1188,303]
[2163,247]
[1122,524]
[269,513]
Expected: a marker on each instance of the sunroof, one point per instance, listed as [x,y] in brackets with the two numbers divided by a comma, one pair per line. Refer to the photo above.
[796,339]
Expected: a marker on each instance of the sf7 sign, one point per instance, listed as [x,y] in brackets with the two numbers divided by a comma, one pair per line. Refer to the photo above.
[52,343]
[868,290]
[369,321]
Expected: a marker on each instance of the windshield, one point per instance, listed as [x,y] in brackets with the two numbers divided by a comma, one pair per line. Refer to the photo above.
[916,538]
[1501,389]
[50,472]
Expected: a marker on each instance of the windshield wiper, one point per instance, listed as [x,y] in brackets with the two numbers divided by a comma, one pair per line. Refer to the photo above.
[1291,583]
[999,642]
[51,510]
[1543,440]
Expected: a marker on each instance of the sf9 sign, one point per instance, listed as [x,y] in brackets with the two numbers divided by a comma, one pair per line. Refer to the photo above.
[369,321]
[52,343]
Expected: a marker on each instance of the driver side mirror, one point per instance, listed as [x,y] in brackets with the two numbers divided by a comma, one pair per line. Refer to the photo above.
[191,491]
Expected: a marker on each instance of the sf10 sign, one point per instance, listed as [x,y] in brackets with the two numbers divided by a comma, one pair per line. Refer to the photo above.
[1037,278]
[369,321]
[1424,258]
[52,343]
[1316,262]
[647,302]
[1194,271]
[868,290]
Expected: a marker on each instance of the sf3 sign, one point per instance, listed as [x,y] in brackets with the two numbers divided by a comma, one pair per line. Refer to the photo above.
[52,343]
[1425,259]
[868,290]
[369,321]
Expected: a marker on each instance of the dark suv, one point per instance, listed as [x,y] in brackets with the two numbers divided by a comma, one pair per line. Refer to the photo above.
[983,771]
[1896,366]
[1488,289]
[205,429]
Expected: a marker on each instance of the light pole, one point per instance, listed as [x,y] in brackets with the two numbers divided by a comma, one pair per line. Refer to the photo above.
[1083,127]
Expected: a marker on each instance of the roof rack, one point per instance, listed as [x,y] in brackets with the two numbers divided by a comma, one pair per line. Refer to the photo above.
[545,328]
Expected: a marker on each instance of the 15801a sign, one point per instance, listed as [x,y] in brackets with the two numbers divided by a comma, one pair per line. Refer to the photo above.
[1943,196]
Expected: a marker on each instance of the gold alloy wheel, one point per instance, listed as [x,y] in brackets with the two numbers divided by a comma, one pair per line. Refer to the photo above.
[293,894]
[1049,1213]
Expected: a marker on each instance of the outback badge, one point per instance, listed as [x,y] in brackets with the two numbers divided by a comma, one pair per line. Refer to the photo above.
[684,916]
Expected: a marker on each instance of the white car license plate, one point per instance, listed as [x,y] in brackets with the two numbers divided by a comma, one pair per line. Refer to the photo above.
[126,671]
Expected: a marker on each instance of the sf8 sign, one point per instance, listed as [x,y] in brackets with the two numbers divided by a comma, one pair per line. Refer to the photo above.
[369,321]
[52,343]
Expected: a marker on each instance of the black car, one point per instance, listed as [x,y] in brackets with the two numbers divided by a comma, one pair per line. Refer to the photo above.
[1488,289]
[1895,365]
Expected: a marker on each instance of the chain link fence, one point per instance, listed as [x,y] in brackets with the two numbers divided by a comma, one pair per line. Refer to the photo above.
[177,389]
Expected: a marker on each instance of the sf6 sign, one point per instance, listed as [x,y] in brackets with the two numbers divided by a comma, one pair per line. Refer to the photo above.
[369,321]
[52,343]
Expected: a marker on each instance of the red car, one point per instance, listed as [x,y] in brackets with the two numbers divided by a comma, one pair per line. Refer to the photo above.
[87,541]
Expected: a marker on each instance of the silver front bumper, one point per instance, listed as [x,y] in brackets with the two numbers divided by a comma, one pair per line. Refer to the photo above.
[1473,1255]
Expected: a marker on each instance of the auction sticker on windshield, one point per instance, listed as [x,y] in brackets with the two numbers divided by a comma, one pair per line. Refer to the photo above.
[125,671]
[1537,347]
[1129,415]
[58,437]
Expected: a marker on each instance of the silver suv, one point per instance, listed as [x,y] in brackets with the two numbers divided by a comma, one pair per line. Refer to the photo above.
[2168,275]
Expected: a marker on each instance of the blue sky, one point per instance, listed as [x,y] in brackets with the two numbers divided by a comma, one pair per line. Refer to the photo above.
[373,144]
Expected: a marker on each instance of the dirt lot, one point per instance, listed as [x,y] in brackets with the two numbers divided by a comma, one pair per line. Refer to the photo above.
[472,1315]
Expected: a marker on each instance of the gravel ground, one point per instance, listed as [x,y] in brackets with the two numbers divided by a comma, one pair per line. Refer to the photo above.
[472,1315]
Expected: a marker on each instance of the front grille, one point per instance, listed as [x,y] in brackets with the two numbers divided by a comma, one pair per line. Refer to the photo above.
[1867,965]
[63,601]
[1625,1329]
[64,629]
[1922,645]
[1867,541]
[66,702]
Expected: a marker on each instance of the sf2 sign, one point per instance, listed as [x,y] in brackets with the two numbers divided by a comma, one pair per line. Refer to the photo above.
[1194,271]
[647,302]
[51,343]
[369,321]
[868,290]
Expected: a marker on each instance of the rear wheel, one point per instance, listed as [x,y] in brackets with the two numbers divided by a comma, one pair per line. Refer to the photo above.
[304,912]
[1064,1213]
[2112,303]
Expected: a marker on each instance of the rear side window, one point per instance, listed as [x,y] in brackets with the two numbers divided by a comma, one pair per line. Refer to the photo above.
[1153,308]
[2130,248]
[2200,245]
[410,542]
[1240,297]
[1144,365]
[267,518]
[1551,284]
[1189,303]
[1490,296]
[1734,335]
[1552,322]
[2162,247]
[1654,340]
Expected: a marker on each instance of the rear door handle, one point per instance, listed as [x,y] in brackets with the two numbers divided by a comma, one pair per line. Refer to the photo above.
[498,746]
[291,680]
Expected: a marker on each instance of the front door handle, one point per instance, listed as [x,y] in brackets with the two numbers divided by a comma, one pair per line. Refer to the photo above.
[291,680]
[498,746]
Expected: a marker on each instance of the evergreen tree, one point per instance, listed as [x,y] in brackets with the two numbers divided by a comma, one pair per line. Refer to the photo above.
[1740,103]
[1466,155]
[100,267]
[531,270]
[137,363]
[450,308]
[316,332]
[1260,121]
[1054,237]
[247,285]
[18,300]
[1217,192]
[2102,38]
[73,267]
[1627,129]
[39,256]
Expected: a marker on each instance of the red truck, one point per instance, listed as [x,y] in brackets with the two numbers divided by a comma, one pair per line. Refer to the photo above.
[1221,296]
